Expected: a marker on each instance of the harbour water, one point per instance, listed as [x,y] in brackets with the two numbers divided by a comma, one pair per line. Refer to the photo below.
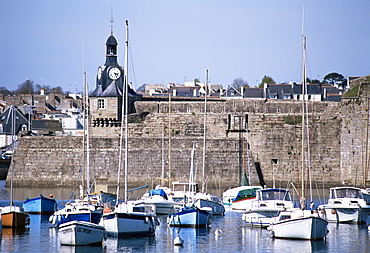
[40,236]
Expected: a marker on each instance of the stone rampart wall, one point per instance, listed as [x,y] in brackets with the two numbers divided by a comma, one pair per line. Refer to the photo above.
[275,143]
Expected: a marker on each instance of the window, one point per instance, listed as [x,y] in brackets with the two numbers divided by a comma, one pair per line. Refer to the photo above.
[102,104]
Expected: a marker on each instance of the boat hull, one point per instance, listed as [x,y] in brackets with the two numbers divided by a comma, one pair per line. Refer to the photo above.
[243,204]
[80,233]
[193,217]
[260,218]
[162,207]
[13,216]
[217,208]
[308,228]
[354,215]
[40,205]
[59,218]
[129,224]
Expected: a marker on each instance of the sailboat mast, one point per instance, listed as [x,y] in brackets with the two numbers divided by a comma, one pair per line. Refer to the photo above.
[303,115]
[191,177]
[169,139]
[126,112]
[204,131]
[12,161]
[86,128]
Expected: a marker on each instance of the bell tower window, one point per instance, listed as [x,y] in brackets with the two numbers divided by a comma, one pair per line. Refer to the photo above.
[100,104]
[111,50]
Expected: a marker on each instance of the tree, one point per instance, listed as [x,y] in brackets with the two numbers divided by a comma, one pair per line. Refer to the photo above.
[335,79]
[196,80]
[239,83]
[38,88]
[314,81]
[57,90]
[266,79]
[5,91]
[26,87]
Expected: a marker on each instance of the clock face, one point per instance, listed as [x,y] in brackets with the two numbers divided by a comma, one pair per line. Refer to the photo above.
[99,73]
[114,73]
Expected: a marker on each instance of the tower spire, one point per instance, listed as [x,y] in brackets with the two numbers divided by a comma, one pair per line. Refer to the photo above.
[111,20]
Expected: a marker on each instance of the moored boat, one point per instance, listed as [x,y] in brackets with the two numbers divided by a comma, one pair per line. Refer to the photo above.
[268,204]
[14,216]
[240,198]
[130,219]
[189,217]
[346,205]
[80,233]
[159,201]
[209,201]
[40,205]
[77,211]
[298,224]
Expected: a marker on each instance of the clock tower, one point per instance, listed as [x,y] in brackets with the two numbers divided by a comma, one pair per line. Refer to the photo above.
[109,80]
[106,100]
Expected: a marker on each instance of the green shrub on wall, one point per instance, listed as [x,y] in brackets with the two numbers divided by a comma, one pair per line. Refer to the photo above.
[292,120]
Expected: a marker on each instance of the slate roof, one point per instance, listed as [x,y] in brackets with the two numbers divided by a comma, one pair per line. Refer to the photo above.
[111,41]
[185,91]
[253,93]
[231,92]
[6,120]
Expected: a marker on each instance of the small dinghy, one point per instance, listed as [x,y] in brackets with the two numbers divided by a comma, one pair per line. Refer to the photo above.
[80,233]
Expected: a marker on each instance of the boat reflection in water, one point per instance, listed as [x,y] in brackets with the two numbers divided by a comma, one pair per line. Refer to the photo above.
[81,249]
[11,236]
[130,244]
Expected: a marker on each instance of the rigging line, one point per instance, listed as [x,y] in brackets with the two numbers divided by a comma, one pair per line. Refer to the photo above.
[308,66]
[132,63]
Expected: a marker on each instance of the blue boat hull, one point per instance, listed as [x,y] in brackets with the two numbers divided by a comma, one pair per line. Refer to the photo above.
[40,205]
[192,217]
[93,217]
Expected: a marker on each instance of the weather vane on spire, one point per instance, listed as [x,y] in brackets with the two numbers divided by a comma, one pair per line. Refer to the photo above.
[111,21]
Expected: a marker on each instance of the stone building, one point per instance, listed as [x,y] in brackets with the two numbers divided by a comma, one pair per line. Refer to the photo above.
[107,98]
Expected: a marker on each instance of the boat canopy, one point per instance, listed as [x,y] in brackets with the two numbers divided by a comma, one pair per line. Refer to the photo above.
[246,193]
[346,192]
[275,194]
[159,192]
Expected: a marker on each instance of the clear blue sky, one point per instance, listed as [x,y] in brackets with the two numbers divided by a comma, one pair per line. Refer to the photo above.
[177,40]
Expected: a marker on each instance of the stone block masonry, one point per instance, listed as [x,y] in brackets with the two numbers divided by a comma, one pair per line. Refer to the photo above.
[274,139]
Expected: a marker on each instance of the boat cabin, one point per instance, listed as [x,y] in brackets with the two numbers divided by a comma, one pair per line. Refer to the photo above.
[273,194]
[346,192]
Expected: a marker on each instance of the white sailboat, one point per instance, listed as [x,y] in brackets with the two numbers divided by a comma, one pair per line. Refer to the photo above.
[80,232]
[204,200]
[190,215]
[80,209]
[299,223]
[12,215]
[128,218]
[159,201]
